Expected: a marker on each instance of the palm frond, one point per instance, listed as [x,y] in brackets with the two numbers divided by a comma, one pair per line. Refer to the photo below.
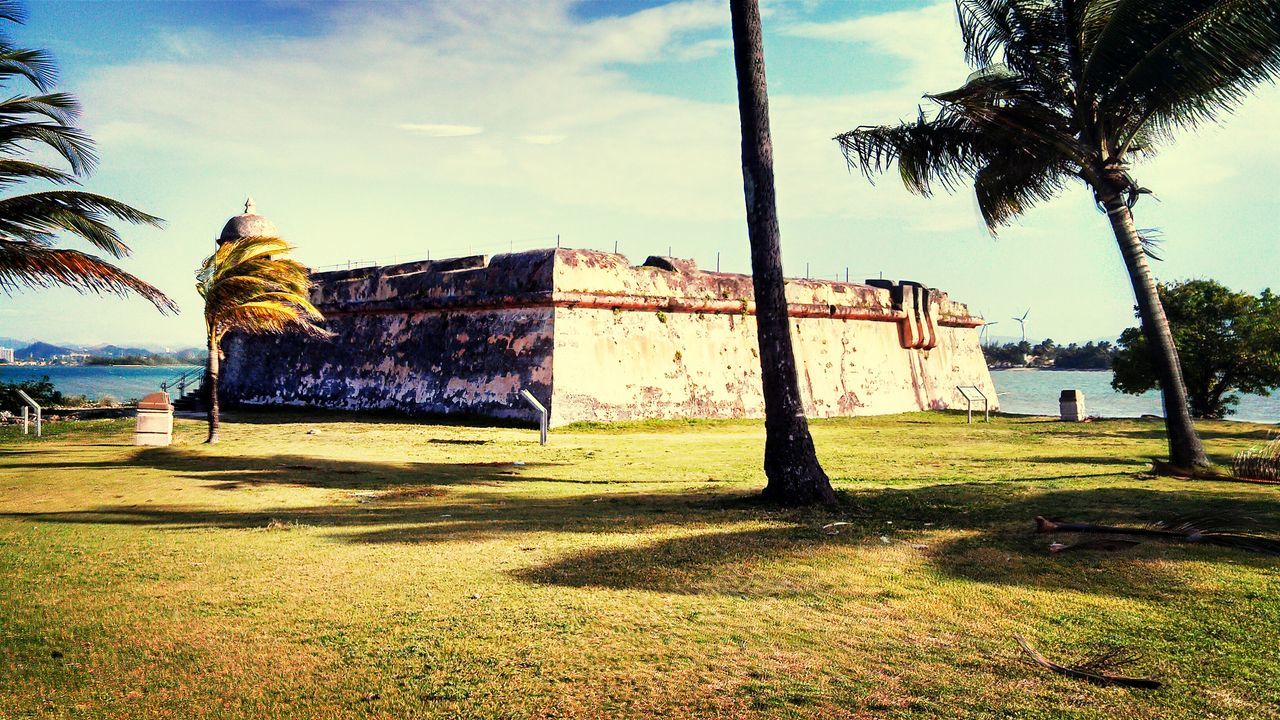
[41,214]
[298,301]
[1067,89]
[266,316]
[1208,58]
[31,223]
[1108,661]
[250,285]
[1106,34]
[1151,239]
[987,27]
[60,107]
[25,264]
[994,130]
[13,172]
[13,11]
[1006,187]
[999,102]
[37,66]
[230,256]
[927,152]
[73,144]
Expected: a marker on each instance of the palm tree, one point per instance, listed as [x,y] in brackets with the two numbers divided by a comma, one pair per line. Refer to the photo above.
[1075,90]
[790,461]
[30,223]
[250,286]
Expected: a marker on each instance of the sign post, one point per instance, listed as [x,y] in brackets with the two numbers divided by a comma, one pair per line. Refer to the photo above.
[34,405]
[542,414]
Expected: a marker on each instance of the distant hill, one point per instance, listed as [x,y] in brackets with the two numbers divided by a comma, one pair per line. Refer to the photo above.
[41,351]
[115,351]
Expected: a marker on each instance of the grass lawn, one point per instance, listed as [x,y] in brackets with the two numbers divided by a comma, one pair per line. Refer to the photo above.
[400,569]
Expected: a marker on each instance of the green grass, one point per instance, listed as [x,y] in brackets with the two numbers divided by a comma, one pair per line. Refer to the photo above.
[399,569]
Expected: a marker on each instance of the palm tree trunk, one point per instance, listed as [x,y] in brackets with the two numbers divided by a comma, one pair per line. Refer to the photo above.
[790,462]
[214,420]
[1185,449]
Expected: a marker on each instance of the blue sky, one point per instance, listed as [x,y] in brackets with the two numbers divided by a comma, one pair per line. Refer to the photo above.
[386,131]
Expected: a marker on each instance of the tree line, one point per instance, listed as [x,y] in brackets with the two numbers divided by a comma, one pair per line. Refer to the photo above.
[151,360]
[1048,354]
[1229,342]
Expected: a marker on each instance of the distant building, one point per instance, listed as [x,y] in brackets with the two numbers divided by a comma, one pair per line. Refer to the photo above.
[6,355]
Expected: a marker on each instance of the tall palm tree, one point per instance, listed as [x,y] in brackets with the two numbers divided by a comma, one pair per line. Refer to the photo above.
[250,285]
[30,223]
[1075,90]
[790,461]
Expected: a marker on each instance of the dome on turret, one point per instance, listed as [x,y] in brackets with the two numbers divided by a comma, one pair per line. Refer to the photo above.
[249,224]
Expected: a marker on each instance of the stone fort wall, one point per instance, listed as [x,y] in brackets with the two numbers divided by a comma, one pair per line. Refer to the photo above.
[597,339]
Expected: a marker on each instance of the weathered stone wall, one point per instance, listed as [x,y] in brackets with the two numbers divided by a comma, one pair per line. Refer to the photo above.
[597,339]
[689,348]
[456,336]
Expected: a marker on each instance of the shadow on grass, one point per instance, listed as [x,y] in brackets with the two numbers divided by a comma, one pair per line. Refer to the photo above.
[1085,460]
[998,545]
[275,415]
[989,536]
[234,472]
[1157,432]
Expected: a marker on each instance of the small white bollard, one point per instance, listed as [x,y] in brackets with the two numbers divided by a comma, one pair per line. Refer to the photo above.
[155,420]
[1071,406]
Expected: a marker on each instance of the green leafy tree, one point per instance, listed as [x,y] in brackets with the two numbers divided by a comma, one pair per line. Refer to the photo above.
[1230,342]
[31,223]
[1073,91]
[1085,357]
[1045,352]
[250,285]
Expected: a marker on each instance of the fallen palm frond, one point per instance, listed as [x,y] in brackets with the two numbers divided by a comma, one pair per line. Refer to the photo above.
[1194,529]
[1095,669]
[1258,464]
[1106,545]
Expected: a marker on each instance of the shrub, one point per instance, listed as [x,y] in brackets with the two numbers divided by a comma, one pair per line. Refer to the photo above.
[42,391]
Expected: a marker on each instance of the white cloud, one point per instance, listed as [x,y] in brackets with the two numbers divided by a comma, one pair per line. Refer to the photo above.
[704,49]
[327,132]
[925,40]
[543,139]
[435,130]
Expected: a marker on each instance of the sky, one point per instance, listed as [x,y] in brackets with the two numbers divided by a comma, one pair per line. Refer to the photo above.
[386,131]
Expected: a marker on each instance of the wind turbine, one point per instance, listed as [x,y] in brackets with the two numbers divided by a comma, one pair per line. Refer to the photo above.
[982,334]
[1023,322]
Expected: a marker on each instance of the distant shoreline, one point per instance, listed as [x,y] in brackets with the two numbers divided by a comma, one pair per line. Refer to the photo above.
[1050,369]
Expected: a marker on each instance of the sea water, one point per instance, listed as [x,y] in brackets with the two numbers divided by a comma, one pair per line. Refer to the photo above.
[1030,392]
[122,382]
[1035,392]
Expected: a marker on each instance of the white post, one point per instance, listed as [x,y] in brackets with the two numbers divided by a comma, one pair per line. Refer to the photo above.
[542,414]
[25,421]
[36,406]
